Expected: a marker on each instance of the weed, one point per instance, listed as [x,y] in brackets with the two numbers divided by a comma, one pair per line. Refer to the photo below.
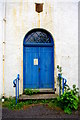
[59,72]
[69,100]
[11,103]
[30,91]
[59,69]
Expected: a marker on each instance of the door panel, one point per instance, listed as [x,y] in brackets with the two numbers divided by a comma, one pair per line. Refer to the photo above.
[31,76]
[46,67]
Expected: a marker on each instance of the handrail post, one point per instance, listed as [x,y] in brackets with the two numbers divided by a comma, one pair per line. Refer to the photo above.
[63,85]
[59,84]
[16,85]
[16,91]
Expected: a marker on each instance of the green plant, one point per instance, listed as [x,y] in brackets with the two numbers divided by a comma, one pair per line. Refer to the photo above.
[59,69]
[53,103]
[44,101]
[59,81]
[69,100]
[10,103]
[30,91]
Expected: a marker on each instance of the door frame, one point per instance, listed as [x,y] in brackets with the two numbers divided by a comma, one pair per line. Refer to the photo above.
[40,44]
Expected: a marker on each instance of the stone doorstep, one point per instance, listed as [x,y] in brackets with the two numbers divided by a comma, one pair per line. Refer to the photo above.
[45,91]
[37,97]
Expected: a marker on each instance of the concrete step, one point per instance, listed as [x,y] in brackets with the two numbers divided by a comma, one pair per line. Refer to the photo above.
[46,91]
[37,97]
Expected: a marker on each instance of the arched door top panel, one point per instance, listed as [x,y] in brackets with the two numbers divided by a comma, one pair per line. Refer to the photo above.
[38,37]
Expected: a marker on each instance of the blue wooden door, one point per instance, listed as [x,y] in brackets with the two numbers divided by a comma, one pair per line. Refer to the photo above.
[38,67]
[38,59]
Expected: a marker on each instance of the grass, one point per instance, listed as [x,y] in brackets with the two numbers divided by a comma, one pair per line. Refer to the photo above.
[0,102]
[31,91]
[79,97]
[11,103]
[79,100]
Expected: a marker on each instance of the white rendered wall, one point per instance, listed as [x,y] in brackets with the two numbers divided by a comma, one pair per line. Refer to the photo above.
[66,37]
[60,18]
[1,39]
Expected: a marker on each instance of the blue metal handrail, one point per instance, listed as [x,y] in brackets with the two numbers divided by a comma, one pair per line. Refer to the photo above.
[16,85]
[64,81]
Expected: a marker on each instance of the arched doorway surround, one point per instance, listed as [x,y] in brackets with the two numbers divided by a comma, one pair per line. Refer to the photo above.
[38,59]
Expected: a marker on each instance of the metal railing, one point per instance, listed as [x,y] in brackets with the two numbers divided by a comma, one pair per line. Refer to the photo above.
[61,86]
[16,85]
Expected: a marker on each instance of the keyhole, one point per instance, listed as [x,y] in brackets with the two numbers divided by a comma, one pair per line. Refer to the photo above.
[39,69]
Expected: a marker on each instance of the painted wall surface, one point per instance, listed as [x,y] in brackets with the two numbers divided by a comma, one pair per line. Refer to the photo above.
[58,17]
[1,39]
[66,37]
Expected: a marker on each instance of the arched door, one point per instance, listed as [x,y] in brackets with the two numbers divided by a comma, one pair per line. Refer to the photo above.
[38,60]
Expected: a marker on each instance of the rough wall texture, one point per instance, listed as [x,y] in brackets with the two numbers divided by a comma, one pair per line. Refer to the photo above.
[66,37]
[1,39]
[60,18]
